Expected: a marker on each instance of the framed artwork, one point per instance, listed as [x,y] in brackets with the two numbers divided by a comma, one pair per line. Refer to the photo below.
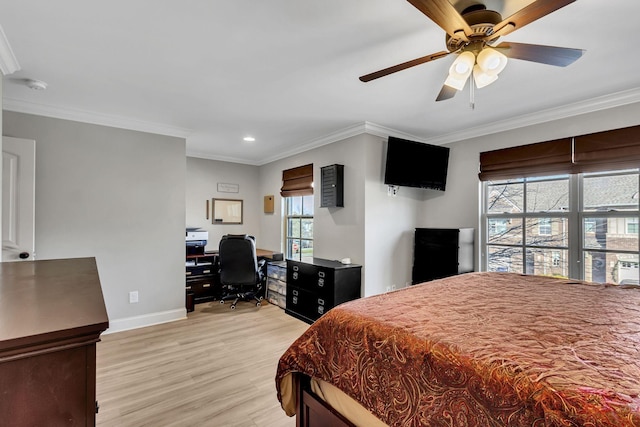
[227,211]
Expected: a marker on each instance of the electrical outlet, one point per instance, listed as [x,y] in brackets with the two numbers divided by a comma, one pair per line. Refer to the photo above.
[388,289]
[133,297]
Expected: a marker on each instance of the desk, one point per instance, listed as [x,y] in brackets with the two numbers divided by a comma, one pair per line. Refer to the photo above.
[267,254]
[203,279]
[260,253]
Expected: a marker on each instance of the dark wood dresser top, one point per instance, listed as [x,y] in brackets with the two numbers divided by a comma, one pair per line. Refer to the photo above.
[47,300]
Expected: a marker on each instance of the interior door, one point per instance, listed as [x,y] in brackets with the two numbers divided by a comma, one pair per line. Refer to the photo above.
[18,198]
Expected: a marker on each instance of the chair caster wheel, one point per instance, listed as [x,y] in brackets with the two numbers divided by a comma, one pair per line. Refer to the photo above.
[258,304]
[233,306]
[261,298]
[221,301]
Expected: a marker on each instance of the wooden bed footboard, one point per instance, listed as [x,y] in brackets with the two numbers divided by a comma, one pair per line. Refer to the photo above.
[313,411]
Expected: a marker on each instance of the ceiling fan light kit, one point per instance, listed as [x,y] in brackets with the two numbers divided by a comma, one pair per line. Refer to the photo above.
[482,79]
[491,61]
[472,34]
[486,67]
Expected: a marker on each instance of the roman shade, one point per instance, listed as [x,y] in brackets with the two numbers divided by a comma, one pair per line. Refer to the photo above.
[543,158]
[610,150]
[297,181]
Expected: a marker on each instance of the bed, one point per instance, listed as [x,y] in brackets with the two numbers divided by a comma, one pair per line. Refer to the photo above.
[478,349]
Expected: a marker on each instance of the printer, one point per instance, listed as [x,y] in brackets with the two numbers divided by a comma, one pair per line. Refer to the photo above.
[196,240]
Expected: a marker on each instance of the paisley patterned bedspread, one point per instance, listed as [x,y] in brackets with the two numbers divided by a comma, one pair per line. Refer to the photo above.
[481,349]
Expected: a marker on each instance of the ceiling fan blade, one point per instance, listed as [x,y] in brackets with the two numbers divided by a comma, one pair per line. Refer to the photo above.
[445,15]
[447,92]
[551,55]
[527,15]
[403,66]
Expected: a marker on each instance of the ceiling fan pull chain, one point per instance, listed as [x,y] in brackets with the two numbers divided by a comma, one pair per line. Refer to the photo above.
[472,95]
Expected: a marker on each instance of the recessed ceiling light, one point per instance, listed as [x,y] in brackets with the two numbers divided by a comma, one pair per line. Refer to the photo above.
[249,138]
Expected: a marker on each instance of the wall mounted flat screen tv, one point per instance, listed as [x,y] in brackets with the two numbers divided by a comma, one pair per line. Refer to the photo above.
[415,164]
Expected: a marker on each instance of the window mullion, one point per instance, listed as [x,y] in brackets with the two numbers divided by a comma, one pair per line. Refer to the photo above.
[576,230]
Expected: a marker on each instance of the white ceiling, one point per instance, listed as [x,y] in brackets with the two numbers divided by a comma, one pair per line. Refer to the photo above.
[286,71]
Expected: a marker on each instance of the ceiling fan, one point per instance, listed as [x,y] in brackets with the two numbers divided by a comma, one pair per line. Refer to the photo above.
[472,34]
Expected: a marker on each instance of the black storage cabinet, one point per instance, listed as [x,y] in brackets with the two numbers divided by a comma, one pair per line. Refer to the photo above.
[332,186]
[313,288]
[441,252]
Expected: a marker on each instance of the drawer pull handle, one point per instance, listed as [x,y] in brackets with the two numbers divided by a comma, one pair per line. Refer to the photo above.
[188,288]
[206,272]
[206,285]
[188,273]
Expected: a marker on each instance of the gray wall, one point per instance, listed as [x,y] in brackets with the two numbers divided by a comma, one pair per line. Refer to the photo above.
[373,229]
[338,232]
[202,179]
[121,196]
[116,195]
[389,224]
[1,86]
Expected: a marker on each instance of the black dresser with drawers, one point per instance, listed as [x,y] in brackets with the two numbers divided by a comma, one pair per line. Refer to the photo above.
[315,287]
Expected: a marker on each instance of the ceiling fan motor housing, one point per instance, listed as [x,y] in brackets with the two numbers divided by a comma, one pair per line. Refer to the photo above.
[481,22]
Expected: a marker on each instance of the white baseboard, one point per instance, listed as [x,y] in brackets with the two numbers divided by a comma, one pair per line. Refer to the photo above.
[119,325]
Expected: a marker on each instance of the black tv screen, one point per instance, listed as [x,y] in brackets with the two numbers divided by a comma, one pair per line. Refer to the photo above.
[415,164]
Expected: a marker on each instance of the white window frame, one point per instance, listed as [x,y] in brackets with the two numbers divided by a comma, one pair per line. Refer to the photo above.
[285,234]
[575,216]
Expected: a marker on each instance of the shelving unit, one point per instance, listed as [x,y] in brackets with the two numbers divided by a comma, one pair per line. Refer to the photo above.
[201,273]
[277,283]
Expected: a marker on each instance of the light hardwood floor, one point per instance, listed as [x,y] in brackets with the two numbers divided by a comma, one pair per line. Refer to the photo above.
[216,368]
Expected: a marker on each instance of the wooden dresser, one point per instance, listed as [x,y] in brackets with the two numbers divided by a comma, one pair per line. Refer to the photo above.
[52,313]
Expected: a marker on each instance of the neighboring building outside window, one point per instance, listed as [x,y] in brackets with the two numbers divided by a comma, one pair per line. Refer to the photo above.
[298,234]
[583,226]
[544,226]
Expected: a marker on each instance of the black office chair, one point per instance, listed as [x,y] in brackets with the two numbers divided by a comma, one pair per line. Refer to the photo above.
[241,275]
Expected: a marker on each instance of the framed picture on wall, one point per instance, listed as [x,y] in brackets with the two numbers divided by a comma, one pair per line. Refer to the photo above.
[227,211]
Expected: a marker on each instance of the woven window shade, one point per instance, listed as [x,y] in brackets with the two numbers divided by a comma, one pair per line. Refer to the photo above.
[610,150]
[543,158]
[596,152]
[297,181]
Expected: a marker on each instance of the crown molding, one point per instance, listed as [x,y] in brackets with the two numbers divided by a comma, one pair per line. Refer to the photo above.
[93,118]
[588,106]
[592,105]
[209,156]
[8,61]
[342,134]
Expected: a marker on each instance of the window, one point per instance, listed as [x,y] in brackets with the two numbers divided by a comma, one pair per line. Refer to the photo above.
[299,227]
[544,226]
[498,226]
[584,226]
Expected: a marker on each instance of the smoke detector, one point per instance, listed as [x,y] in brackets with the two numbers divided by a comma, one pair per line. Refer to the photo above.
[35,84]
